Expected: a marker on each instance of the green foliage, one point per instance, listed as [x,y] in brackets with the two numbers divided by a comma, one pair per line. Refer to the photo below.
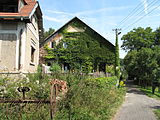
[138,38]
[157,112]
[117,59]
[24,111]
[157,36]
[142,65]
[39,90]
[85,51]
[148,92]
[143,59]
[50,53]
[130,64]
[55,68]
[47,33]
[38,84]
[110,69]
[90,99]
[87,98]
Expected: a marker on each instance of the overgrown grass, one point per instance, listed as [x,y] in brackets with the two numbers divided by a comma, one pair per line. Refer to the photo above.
[87,98]
[90,99]
[148,92]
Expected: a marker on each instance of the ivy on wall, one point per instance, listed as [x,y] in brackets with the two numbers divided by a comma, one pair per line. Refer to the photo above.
[85,51]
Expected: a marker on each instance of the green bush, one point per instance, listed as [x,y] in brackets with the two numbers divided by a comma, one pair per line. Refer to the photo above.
[87,98]
[55,68]
[90,99]
[39,89]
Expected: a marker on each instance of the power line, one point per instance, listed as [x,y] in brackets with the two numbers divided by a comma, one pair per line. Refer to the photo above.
[141,18]
[130,14]
[149,6]
[139,13]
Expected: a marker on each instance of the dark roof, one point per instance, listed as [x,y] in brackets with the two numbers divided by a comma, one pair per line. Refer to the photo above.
[75,18]
[24,13]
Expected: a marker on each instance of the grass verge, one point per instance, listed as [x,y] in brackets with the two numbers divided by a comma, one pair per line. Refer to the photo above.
[157,112]
[148,92]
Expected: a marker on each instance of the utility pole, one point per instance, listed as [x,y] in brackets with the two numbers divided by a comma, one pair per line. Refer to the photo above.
[117,60]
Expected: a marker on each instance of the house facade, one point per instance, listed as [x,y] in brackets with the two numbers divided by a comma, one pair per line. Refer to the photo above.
[20,33]
[77,46]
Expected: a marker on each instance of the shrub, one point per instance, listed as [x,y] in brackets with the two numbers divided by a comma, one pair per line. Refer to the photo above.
[87,98]
[90,99]
[55,68]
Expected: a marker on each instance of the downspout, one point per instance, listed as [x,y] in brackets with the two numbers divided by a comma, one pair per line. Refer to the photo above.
[20,47]
[20,44]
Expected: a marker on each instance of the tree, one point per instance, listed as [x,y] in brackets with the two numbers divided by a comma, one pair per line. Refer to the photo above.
[130,64]
[143,59]
[157,36]
[146,64]
[138,38]
[47,33]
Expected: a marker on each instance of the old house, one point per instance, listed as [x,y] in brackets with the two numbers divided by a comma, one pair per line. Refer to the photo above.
[20,31]
[77,46]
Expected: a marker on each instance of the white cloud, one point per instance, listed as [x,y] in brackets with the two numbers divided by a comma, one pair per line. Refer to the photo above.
[62,20]
[60,12]
[88,12]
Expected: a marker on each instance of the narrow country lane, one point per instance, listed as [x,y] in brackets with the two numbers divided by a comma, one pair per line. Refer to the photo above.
[137,106]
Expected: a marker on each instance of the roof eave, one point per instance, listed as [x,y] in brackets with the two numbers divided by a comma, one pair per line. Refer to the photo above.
[67,24]
[21,18]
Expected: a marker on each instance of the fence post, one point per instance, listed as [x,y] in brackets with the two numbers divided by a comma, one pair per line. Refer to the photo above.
[53,95]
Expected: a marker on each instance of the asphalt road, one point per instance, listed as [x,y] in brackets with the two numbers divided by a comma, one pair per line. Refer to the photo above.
[137,106]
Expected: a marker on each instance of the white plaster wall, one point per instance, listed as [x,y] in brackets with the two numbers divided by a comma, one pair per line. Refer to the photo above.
[28,32]
[32,39]
[8,60]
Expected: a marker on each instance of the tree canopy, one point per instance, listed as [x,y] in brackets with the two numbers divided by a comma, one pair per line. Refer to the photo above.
[143,59]
[47,33]
[138,38]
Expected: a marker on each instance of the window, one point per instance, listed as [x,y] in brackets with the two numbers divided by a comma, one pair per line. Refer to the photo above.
[8,26]
[52,44]
[65,45]
[32,53]
[9,6]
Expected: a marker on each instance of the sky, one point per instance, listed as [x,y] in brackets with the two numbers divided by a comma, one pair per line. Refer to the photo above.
[103,15]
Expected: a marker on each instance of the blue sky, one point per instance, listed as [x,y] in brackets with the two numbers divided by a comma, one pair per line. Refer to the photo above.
[102,15]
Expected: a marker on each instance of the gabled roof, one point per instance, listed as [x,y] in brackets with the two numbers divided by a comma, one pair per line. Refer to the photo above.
[74,19]
[24,13]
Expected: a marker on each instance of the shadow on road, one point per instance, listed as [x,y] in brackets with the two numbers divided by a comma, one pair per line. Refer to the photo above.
[156,107]
[131,88]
